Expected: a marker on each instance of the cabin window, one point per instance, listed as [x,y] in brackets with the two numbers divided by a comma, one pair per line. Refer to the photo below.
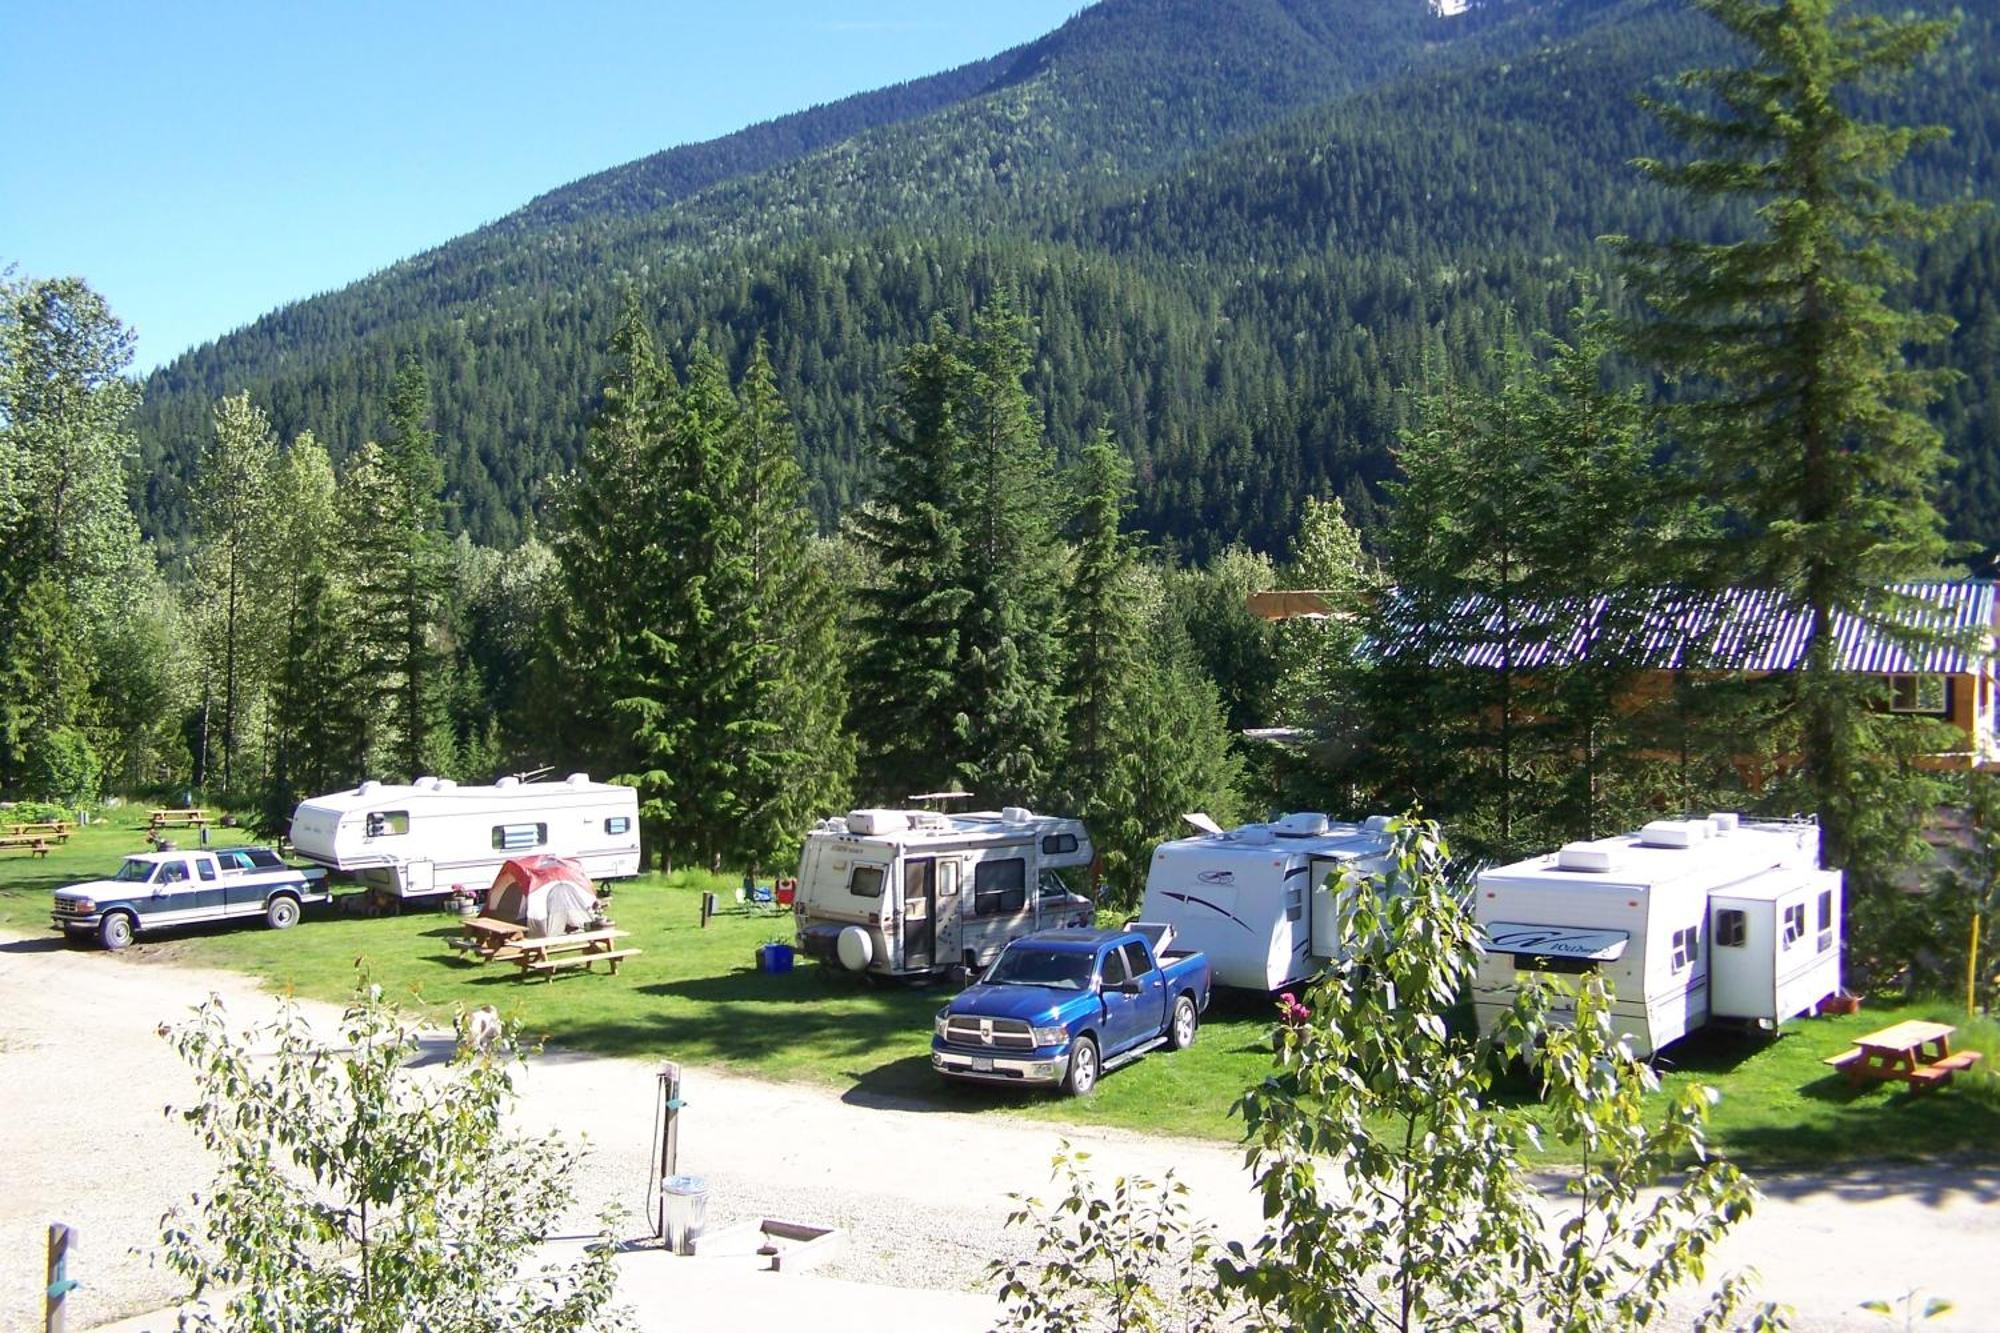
[618,824]
[1050,885]
[173,872]
[1136,962]
[1917,694]
[206,869]
[386,823]
[1687,947]
[1795,923]
[519,837]
[999,887]
[1112,970]
[1295,899]
[1825,920]
[866,882]
[1732,928]
[1058,844]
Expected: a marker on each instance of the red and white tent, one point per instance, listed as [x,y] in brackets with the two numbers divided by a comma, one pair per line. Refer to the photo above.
[547,894]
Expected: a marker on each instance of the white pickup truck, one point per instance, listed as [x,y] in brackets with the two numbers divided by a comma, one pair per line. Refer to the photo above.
[157,889]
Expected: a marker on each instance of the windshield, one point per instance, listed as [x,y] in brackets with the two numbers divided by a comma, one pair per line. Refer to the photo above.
[1030,966]
[134,872]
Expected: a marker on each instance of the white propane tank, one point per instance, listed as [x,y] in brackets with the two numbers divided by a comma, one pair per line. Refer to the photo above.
[856,948]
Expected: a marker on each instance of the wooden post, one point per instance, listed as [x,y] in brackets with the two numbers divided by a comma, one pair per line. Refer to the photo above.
[61,1239]
[670,1136]
[707,908]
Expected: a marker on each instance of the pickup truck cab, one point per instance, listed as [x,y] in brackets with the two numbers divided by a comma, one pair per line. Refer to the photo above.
[1064,1006]
[157,889]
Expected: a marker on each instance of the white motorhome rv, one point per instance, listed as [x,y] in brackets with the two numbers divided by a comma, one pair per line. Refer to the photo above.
[910,892]
[1256,899]
[1686,920]
[433,834]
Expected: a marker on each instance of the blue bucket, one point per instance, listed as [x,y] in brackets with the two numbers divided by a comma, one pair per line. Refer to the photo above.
[775,957]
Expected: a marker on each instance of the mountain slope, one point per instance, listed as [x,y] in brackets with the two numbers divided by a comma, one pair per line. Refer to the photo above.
[1240,238]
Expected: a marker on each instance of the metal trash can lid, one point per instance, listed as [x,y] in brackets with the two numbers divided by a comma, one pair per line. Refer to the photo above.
[687,1185]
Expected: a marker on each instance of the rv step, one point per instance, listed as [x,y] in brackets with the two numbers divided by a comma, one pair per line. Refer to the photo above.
[1844,1059]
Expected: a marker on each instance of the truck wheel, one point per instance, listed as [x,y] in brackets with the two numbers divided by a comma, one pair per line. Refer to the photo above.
[282,913]
[116,930]
[1180,1036]
[1082,1076]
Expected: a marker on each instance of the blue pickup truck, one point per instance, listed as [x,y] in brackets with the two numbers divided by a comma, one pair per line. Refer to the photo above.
[1064,1006]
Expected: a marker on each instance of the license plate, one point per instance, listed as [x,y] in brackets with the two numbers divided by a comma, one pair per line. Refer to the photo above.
[982,1064]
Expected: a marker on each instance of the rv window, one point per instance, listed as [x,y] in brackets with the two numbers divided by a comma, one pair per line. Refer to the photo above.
[1732,927]
[519,837]
[1549,962]
[947,879]
[867,882]
[618,824]
[999,887]
[206,869]
[1795,923]
[1057,844]
[1825,920]
[1917,694]
[1687,945]
[386,823]
[1295,900]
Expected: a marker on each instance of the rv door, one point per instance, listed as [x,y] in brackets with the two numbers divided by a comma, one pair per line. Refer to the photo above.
[920,913]
[1323,907]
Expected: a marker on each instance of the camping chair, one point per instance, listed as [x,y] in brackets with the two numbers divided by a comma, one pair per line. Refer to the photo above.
[756,897]
[787,891]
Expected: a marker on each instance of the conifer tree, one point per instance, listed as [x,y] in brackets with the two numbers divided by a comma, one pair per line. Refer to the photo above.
[1101,624]
[1800,416]
[233,523]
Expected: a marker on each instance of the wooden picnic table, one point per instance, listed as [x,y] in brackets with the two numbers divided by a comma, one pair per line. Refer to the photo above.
[35,844]
[189,818]
[57,829]
[1913,1052]
[490,937]
[550,954]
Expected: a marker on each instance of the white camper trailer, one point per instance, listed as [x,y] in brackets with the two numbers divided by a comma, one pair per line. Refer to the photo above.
[1256,899]
[1686,920]
[426,837]
[909,892]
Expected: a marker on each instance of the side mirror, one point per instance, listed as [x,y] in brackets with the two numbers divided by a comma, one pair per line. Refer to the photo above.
[1130,987]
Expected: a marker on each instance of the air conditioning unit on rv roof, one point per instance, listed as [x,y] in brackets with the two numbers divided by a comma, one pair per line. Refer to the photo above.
[873,823]
[1588,857]
[1680,833]
[1301,824]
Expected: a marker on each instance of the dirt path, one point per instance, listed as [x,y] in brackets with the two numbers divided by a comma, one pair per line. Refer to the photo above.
[922,1195]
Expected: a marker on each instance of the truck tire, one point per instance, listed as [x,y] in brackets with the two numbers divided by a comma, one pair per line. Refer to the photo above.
[1083,1068]
[1180,1033]
[282,912]
[117,930]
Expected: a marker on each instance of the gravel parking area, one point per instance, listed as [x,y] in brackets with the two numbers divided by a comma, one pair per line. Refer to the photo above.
[922,1195]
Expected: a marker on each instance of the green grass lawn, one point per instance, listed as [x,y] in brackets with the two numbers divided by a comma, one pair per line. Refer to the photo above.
[694,995]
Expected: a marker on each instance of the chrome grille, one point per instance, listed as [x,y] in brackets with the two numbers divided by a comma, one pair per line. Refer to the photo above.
[1009,1034]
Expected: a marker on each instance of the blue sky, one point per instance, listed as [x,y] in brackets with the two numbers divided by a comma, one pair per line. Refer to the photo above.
[200,163]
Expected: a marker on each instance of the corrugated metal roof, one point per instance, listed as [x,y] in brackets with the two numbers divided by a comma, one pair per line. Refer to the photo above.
[1938,627]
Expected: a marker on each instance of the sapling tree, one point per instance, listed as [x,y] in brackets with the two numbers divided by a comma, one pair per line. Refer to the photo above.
[358,1193]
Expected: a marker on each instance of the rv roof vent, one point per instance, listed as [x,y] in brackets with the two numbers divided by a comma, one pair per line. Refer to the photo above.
[1377,823]
[1584,856]
[1256,834]
[426,783]
[1723,822]
[1673,833]
[927,819]
[508,781]
[869,823]
[368,788]
[1301,824]
[1015,814]
[577,779]
[446,784]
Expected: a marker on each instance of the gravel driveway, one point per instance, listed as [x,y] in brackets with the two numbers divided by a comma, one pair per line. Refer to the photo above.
[921,1194]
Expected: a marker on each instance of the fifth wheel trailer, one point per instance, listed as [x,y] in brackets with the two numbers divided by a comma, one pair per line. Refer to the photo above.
[428,836]
[1257,899]
[1686,920]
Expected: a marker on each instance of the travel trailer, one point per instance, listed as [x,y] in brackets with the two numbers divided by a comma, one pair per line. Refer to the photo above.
[1256,899]
[433,835]
[910,892]
[1686,920]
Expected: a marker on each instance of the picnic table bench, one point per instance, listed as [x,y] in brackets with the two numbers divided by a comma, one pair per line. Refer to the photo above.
[190,818]
[550,954]
[35,844]
[489,937]
[1912,1052]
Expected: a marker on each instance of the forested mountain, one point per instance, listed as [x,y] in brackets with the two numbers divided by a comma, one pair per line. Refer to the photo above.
[1242,227]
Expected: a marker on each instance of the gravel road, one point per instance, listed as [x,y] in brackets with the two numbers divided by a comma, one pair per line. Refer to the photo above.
[922,1195]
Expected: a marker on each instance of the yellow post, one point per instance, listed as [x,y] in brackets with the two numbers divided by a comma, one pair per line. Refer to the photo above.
[1972,967]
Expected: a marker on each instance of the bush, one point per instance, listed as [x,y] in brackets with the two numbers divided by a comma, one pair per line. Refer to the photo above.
[62,767]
